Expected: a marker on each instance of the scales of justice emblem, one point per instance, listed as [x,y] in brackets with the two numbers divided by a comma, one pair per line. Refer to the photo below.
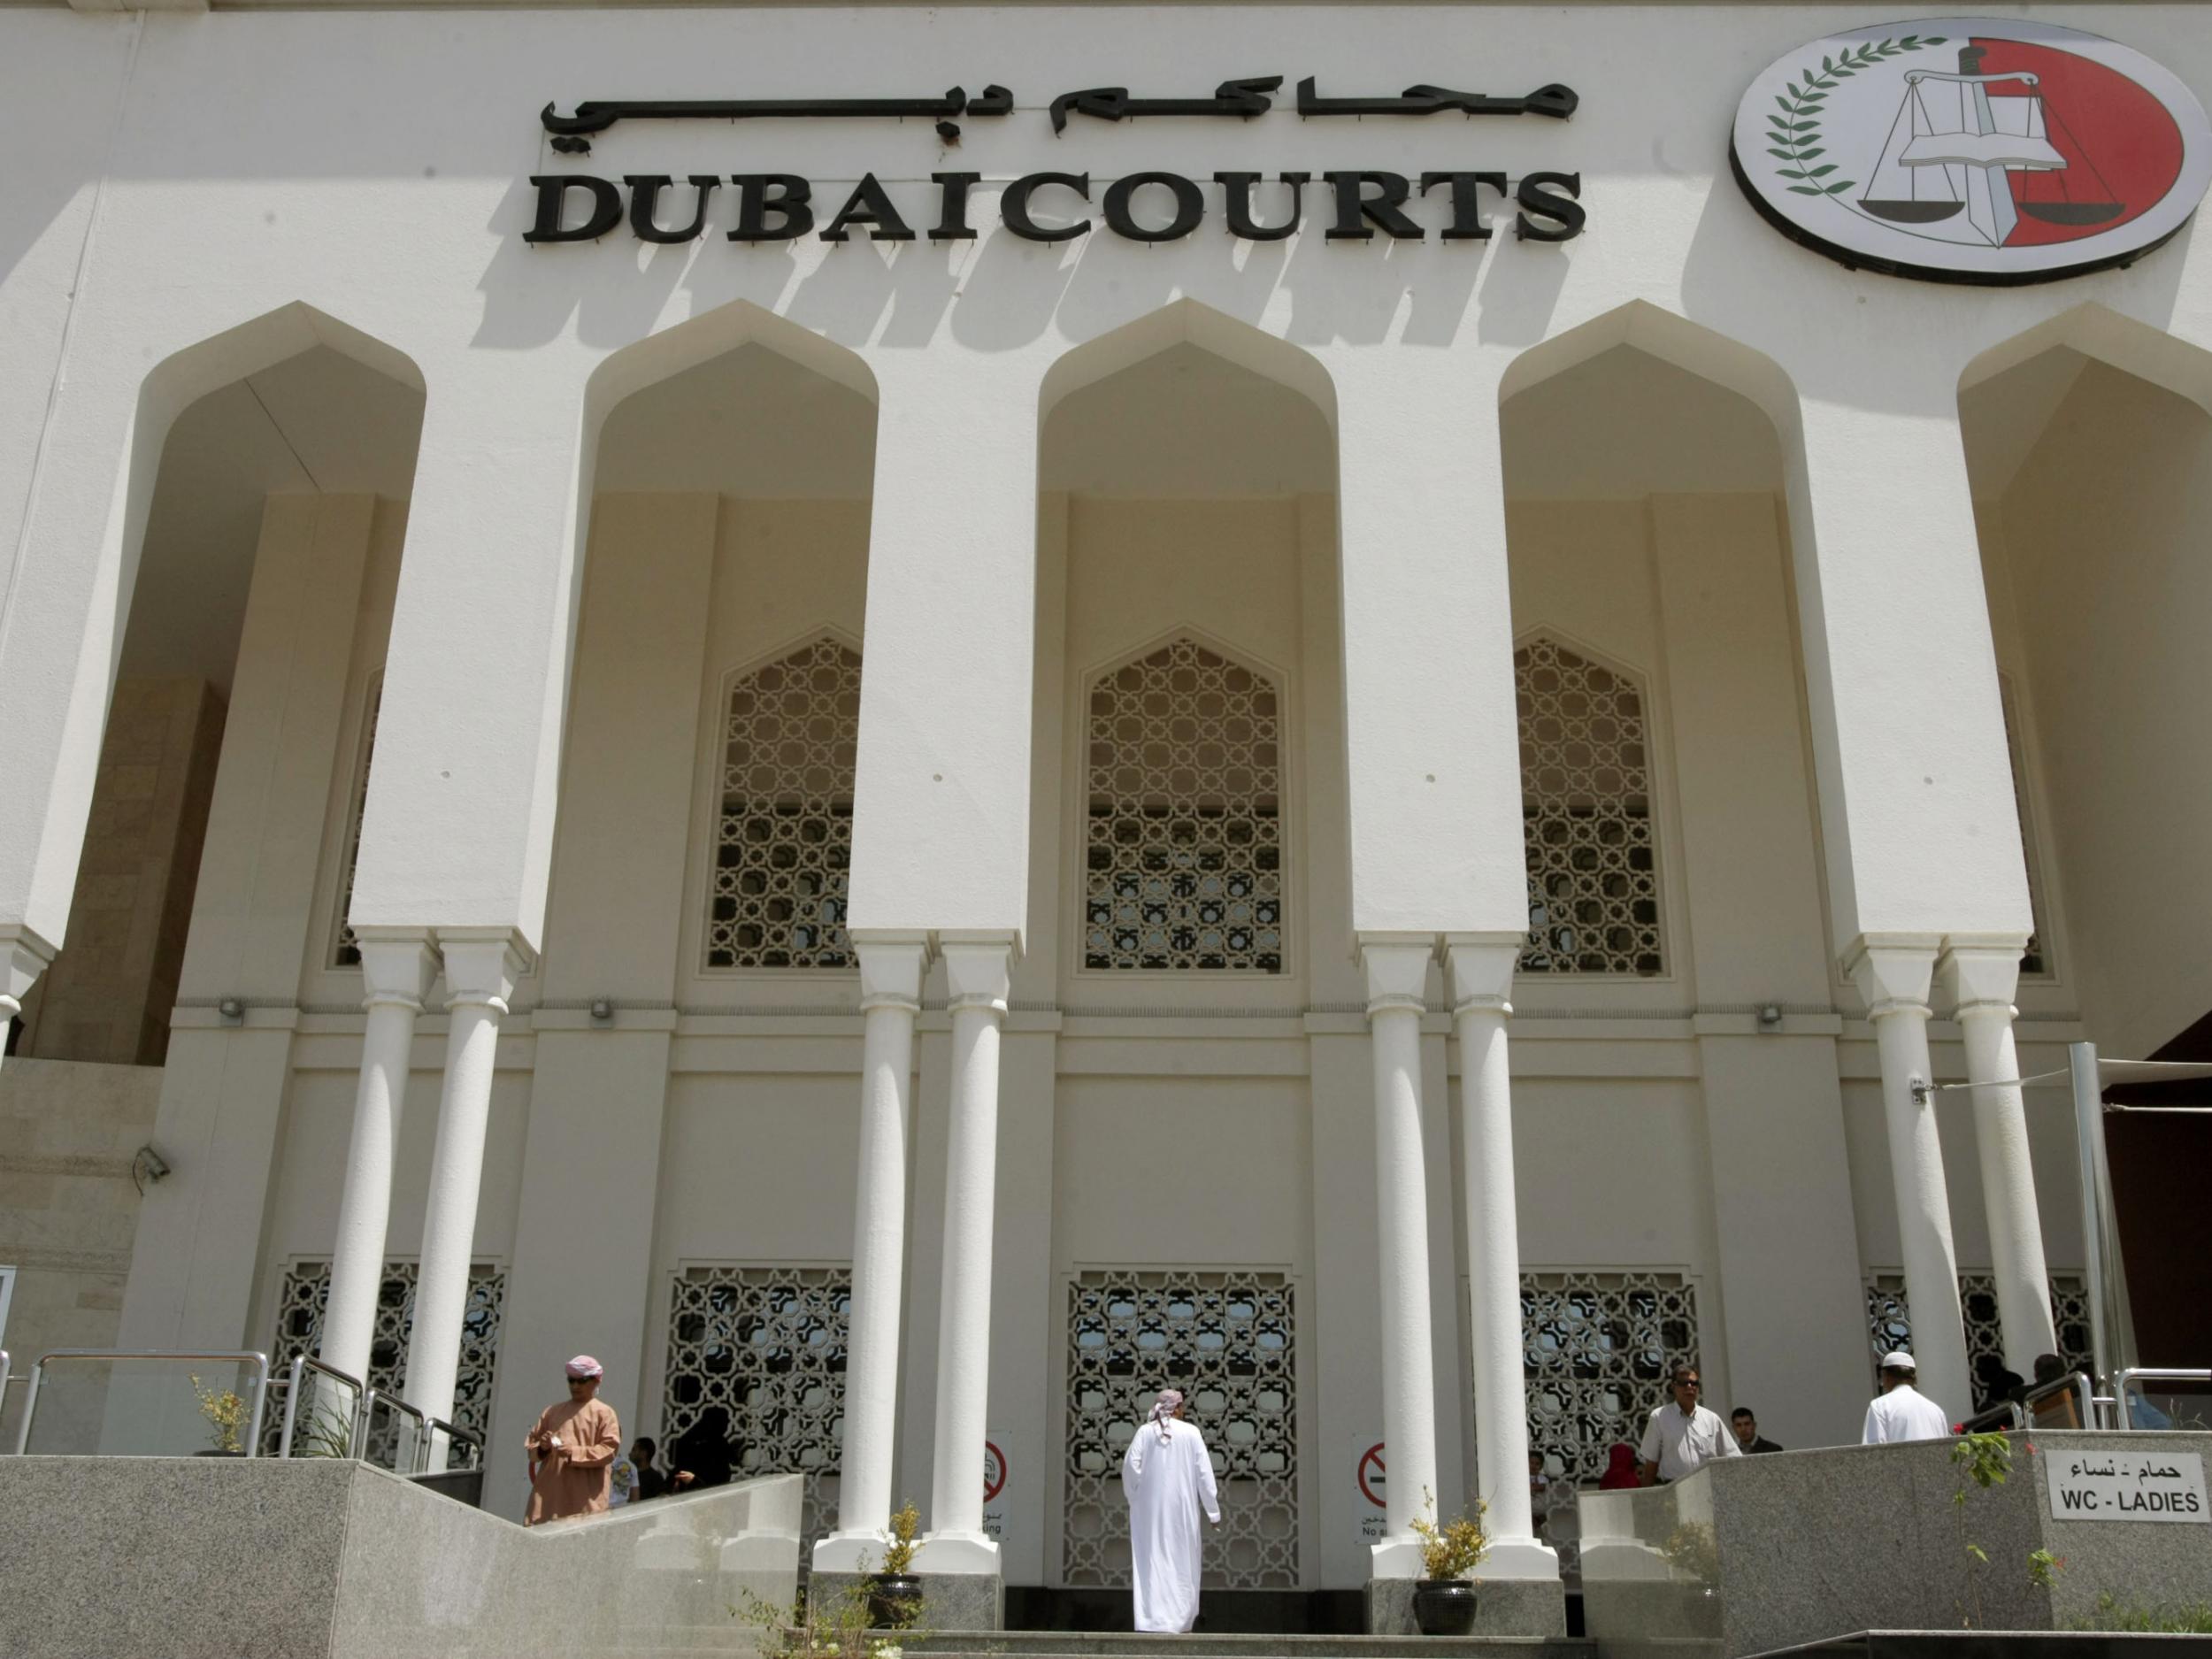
[1973,150]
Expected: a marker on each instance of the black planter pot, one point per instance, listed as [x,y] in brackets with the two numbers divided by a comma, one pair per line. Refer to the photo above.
[1444,1607]
[894,1600]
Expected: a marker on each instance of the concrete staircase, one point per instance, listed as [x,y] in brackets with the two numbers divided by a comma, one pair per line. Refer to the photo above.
[1043,1644]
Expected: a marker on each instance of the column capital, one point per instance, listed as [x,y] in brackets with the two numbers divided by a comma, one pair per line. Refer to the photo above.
[1397,970]
[1894,971]
[978,970]
[891,969]
[1979,972]
[1482,967]
[24,955]
[397,965]
[482,964]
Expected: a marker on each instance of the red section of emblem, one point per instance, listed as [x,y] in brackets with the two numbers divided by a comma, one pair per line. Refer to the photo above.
[2122,150]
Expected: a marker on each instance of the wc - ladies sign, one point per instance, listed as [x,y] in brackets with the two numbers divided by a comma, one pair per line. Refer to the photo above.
[1973,149]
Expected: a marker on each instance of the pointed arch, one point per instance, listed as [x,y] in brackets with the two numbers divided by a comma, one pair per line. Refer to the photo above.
[780,851]
[1187,322]
[1184,845]
[1688,346]
[1589,811]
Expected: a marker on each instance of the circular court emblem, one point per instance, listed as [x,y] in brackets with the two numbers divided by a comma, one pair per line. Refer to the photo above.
[1973,149]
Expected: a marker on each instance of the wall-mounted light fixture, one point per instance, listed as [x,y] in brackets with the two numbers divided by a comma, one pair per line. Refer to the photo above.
[147,1167]
[602,1010]
[1770,1016]
[233,1009]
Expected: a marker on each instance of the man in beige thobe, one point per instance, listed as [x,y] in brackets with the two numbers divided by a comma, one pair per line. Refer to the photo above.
[572,1448]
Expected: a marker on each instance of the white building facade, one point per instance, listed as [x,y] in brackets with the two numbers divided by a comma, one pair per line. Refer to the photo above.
[909,839]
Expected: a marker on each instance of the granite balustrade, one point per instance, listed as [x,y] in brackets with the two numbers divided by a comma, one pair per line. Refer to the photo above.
[255,1558]
[1755,1553]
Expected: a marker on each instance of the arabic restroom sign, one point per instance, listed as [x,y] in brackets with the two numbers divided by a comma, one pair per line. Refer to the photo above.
[2090,1484]
[1973,149]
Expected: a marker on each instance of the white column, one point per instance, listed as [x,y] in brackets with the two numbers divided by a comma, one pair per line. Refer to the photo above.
[24,955]
[976,982]
[1482,973]
[395,972]
[1979,979]
[1397,973]
[1894,976]
[890,996]
[480,976]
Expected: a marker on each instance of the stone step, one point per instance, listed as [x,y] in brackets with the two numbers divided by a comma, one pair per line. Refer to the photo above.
[1047,1644]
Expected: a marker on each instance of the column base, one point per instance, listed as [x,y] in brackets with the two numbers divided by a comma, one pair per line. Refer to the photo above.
[957,1552]
[1519,1559]
[848,1553]
[1507,1607]
[1396,1558]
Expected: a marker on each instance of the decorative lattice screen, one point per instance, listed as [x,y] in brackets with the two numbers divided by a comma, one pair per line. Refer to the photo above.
[1889,1325]
[1183,857]
[1586,807]
[346,952]
[1228,1340]
[783,838]
[304,1295]
[2034,959]
[756,1377]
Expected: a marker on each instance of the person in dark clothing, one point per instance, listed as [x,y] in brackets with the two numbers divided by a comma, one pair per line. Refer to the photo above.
[1747,1428]
[700,1453]
[650,1482]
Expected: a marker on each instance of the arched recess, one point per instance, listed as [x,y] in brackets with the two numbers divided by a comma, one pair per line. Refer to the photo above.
[2088,446]
[264,509]
[1648,468]
[698,858]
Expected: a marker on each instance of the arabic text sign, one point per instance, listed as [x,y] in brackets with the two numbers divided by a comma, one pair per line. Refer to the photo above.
[2100,1486]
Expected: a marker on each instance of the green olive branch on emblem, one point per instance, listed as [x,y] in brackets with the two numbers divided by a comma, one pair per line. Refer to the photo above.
[1795,138]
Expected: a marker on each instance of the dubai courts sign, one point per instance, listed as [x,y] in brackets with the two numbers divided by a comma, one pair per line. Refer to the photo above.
[1973,149]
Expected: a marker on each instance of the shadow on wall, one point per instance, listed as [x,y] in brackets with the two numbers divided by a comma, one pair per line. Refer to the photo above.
[1002,292]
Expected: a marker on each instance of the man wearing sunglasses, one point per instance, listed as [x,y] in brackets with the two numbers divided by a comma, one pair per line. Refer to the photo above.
[1683,1435]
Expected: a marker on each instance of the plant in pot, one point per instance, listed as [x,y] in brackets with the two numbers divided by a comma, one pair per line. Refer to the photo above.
[226,1414]
[1444,1595]
[894,1594]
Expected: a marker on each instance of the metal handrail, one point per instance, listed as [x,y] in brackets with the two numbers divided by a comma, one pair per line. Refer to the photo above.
[236,1357]
[2123,1380]
[302,1363]
[452,1431]
[422,1431]
[2004,1418]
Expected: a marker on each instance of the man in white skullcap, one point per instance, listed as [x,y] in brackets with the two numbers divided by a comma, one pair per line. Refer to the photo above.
[1901,1411]
[572,1448]
[1168,1477]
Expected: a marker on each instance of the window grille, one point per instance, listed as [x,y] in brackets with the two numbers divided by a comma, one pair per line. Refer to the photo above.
[2036,958]
[1586,810]
[304,1297]
[1183,857]
[783,835]
[1889,1325]
[756,1377]
[1228,1340]
[346,952]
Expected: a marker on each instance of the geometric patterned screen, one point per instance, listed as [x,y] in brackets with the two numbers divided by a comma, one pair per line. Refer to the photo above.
[1889,1325]
[1183,860]
[1598,1346]
[783,836]
[304,1295]
[1585,810]
[1228,1340]
[756,1377]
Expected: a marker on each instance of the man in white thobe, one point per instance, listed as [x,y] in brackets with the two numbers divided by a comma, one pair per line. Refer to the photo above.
[1901,1411]
[1168,1477]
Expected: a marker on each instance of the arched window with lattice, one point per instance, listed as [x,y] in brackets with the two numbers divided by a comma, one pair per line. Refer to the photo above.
[1587,813]
[783,837]
[1183,839]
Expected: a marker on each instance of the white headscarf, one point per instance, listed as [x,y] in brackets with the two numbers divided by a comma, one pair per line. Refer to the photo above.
[1164,1408]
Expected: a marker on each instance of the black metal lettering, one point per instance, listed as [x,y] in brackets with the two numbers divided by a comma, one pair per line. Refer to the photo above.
[645,189]
[759,195]
[1190,207]
[1354,207]
[1013,206]
[606,207]
[1467,221]
[868,205]
[1550,197]
[1236,201]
